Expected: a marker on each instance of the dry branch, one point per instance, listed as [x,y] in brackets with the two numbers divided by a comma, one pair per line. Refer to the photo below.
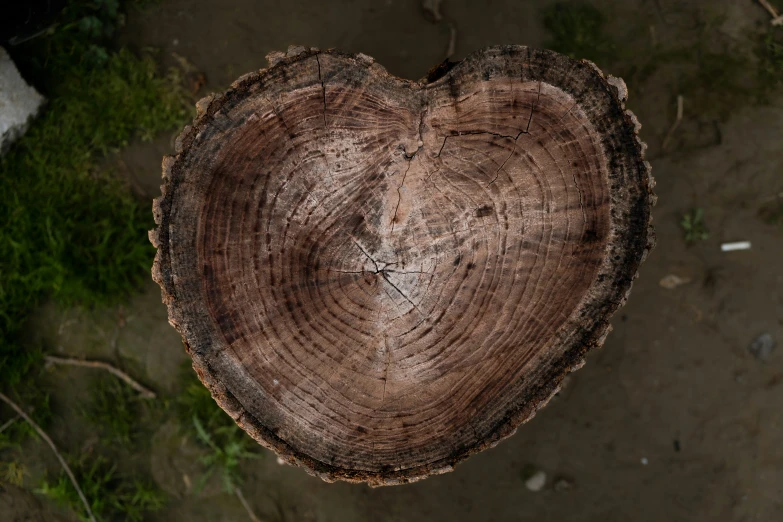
[48,440]
[144,392]
[777,19]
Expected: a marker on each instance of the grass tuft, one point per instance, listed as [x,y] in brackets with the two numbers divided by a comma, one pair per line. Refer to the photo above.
[694,227]
[12,473]
[226,444]
[112,496]
[115,410]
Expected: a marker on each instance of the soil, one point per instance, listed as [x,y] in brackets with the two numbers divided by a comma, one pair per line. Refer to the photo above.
[673,419]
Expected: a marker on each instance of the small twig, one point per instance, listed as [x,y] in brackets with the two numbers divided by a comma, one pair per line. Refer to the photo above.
[431,10]
[452,40]
[8,423]
[777,19]
[46,438]
[241,497]
[680,103]
[144,392]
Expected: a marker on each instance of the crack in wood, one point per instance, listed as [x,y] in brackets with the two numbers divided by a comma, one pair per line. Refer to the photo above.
[399,195]
[323,86]
[526,131]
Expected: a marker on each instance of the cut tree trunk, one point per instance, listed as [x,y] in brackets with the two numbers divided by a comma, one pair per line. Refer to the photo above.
[377,278]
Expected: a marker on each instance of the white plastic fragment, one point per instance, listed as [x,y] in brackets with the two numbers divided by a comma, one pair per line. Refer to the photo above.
[19,103]
[737,245]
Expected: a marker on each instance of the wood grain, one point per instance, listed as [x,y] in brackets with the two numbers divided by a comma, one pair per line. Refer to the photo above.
[378,278]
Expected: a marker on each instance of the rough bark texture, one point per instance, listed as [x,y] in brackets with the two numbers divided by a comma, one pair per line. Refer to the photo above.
[378,278]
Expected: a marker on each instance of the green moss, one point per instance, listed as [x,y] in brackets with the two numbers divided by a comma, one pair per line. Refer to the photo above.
[71,229]
[111,495]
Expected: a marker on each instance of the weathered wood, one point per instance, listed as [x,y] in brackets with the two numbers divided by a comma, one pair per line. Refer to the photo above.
[378,278]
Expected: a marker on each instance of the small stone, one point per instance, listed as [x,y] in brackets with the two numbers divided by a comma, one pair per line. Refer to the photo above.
[672,281]
[536,482]
[563,484]
[645,461]
[762,347]
[19,103]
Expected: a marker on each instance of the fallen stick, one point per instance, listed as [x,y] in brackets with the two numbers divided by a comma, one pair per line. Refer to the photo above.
[46,438]
[680,103]
[245,505]
[143,391]
[777,19]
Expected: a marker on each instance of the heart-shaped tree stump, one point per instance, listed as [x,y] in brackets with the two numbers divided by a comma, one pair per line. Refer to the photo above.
[377,278]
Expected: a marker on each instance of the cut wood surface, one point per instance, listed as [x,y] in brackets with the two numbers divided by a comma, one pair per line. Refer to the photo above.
[377,277]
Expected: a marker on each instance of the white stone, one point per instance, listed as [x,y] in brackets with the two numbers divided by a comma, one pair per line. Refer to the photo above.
[19,103]
[536,482]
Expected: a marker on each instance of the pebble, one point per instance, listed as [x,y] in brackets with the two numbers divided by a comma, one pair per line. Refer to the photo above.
[536,482]
[762,347]
[672,281]
[563,484]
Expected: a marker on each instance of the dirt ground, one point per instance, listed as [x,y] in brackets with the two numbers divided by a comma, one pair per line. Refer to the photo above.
[673,419]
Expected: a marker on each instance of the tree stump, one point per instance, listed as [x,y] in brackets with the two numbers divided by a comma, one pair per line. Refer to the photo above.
[377,278]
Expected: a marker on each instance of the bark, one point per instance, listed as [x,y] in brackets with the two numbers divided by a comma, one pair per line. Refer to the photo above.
[378,278]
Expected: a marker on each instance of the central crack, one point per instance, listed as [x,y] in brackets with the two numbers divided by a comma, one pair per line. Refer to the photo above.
[384,273]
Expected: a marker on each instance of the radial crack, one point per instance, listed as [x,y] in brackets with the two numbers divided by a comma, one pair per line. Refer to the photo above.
[581,201]
[399,196]
[377,270]
[386,369]
[323,87]
[386,278]
[533,108]
[513,150]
